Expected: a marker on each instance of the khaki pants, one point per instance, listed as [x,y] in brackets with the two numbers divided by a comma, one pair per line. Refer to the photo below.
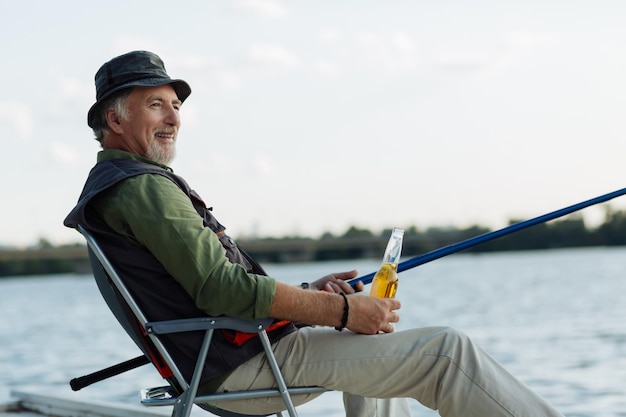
[357,406]
[439,367]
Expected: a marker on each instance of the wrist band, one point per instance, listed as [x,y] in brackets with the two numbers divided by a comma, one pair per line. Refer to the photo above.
[346,309]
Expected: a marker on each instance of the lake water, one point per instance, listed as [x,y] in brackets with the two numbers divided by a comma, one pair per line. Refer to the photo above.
[556,319]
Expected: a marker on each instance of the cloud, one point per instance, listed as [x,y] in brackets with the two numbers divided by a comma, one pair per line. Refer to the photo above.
[402,43]
[519,45]
[263,165]
[257,166]
[329,35]
[465,60]
[273,55]
[212,70]
[370,41]
[194,62]
[74,89]
[394,52]
[514,49]
[216,162]
[127,43]
[264,8]
[229,80]
[64,154]
[18,118]
[73,97]
[326,67]
[533,40]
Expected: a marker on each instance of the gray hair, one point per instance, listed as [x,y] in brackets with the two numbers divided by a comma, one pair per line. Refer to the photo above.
[117,103]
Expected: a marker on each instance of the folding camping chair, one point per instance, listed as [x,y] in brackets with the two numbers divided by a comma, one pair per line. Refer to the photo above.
[181,394]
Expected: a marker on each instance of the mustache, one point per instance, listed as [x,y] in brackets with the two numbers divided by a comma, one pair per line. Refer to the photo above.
[166,131]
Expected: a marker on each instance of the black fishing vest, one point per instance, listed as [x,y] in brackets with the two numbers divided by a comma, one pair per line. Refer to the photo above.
[160,296]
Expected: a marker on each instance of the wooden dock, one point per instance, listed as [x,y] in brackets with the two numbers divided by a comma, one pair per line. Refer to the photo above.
[31,404]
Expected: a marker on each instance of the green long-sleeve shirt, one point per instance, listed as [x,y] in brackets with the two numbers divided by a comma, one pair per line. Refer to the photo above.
[152,211]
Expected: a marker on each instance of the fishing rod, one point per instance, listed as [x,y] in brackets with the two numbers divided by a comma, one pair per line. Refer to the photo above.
[485,237]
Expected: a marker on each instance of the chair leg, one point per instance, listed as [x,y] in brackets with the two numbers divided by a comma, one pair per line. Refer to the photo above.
[278,375]
[184,404]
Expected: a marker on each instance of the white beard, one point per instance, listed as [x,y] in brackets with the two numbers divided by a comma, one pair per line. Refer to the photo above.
[163,154]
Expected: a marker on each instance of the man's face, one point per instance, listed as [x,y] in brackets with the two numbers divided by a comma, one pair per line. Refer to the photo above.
[152,123]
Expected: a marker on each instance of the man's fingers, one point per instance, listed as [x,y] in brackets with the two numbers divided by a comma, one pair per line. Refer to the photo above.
[334,287]
[345,287]
[394,317]
[345,275]
[388,328]
[394,304]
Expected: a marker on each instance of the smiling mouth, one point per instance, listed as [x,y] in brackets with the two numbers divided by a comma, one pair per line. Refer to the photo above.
[166,137]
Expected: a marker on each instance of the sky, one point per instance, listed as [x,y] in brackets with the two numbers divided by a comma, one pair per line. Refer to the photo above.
[313,116]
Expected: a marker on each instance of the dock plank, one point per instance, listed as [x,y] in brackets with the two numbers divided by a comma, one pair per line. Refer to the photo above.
[29,404]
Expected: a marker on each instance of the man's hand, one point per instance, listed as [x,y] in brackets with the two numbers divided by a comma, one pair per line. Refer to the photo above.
[371,315]
[322,306]
[367,315]
[336,283]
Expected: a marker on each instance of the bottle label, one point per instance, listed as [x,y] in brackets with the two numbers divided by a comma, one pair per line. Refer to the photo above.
[385,282]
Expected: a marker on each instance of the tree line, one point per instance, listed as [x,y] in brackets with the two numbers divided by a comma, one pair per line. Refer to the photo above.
[569,232]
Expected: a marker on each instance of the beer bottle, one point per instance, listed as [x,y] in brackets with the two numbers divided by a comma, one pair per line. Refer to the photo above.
[385,282]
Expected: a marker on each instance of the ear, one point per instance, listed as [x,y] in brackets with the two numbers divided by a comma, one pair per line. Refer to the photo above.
[114,121]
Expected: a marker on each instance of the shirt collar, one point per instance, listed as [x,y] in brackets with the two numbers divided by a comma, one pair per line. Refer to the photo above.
[105,154]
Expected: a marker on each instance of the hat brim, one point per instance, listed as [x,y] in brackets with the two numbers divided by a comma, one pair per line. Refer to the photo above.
[181,87]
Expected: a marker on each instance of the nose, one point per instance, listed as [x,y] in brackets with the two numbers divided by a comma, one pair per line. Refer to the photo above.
[172,117]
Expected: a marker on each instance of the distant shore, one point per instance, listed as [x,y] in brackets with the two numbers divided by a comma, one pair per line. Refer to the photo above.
[355,243]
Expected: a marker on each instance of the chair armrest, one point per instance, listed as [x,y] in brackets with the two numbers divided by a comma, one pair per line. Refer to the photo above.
[206,323]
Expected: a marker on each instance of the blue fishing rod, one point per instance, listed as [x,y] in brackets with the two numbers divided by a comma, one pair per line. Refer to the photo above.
[485,237]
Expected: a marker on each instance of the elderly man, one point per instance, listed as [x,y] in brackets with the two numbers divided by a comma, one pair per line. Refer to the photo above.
[158,231]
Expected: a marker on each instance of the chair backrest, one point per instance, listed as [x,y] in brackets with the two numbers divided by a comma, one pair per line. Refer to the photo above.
[128,313]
